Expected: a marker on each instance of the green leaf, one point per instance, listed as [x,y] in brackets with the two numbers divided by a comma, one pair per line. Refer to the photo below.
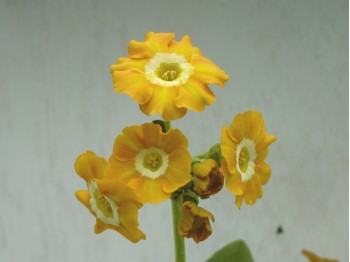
[236,251]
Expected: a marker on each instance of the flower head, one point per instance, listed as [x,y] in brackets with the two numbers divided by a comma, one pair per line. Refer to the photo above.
[244,146]
[314,258]
[114,205]
[194,222]
[208,179]
[153,163]
[167,77]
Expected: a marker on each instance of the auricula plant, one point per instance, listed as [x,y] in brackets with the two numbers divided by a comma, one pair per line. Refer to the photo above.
[150,163]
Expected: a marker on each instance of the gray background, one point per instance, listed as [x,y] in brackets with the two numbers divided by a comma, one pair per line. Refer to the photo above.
[287,59]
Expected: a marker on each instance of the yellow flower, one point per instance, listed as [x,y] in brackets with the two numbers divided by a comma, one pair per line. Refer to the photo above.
[314,258]
[208,179]
[153,163]
[194,222]
[244,147]
[114,205]
[167,77]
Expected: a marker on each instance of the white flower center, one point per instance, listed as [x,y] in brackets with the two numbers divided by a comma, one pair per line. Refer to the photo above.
[168,70]
[104,207]
[151,162]
[245,157]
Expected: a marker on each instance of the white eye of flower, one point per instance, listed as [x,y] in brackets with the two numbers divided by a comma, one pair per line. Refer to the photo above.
[151,162]
[104,207]
[168,70]
[245,157]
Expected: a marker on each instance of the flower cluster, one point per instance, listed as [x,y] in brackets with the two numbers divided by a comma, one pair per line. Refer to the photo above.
[150,163]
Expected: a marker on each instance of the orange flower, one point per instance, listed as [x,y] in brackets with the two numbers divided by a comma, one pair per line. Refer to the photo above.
[208,179]
[194,222]
[244,147]
[153,163]
[314,258]
[167,77]
[114,205]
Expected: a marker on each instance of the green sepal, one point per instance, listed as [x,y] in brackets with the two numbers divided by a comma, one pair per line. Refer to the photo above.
[236,251]
[165,125]
[190,196]
[215,153]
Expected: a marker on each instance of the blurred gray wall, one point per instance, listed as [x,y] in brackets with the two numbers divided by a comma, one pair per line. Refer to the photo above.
[287,59]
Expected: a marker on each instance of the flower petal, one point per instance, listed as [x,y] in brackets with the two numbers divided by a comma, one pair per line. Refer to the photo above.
[259,189]
[127,145]
[133,83]
[250,193]
[263,171]
[239,201]
[174,179]
[128,218]
[194,95]
[154,42]
[123,171]
[126,63]
[185,48]
[228,149]
[233,181]
[175,140]
[117,191]
[149,190]
[101,227]
[88,166]
[206,71]
[84,197]
[162,102]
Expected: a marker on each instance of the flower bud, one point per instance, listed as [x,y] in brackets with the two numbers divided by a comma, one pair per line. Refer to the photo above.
[194,222]
[208,179]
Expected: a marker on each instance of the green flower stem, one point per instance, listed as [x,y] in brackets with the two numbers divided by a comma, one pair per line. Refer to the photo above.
[180,255]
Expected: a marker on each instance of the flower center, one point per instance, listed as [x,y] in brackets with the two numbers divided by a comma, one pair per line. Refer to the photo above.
[168,70]
[245,157]
[151,162]
[104,207]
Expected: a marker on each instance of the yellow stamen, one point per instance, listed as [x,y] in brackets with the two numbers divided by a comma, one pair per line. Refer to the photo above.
[168,71]
[152,161]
